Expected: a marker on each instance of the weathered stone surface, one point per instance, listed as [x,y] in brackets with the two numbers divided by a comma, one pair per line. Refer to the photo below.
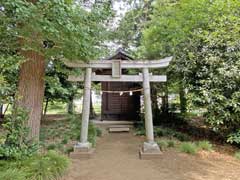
[82,154]
[149,156]
[150,150]
[119,129]
[150,147]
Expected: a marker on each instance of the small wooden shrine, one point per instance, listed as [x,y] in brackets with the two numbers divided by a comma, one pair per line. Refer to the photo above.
[124,105]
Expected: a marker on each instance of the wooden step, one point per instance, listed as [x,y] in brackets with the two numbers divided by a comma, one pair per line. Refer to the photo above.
[118,129]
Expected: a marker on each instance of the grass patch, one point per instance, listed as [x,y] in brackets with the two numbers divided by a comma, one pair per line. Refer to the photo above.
[204,145]
[60,134]
[188,147]
[164,144]
[237,155]
[165,132]
[48,166]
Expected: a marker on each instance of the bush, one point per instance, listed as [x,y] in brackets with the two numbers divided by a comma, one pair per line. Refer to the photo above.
[171,143]
[234,137]
[12,174]
[48,166]
[16,144]
[163,144]
[188,147]
[237,155]
[204,145]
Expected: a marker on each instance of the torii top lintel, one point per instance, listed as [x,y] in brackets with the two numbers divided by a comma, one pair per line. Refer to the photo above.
[105,64]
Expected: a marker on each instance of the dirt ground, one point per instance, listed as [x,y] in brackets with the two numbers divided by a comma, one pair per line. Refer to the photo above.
[116,158]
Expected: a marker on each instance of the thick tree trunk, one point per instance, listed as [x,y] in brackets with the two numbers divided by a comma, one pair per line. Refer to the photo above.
[183,100]
[31,89]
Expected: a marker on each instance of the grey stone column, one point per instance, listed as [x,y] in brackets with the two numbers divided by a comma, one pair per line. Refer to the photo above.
[149,146]
[86,110]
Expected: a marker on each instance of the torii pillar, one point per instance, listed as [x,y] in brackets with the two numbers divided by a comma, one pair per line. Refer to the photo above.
[150,148]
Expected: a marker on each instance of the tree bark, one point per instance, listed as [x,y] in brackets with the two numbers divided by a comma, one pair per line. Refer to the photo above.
[46,108]
[165,106]
[1,113]
[70,105]
[92,111]
[183,100]
[155,108]
[31,89]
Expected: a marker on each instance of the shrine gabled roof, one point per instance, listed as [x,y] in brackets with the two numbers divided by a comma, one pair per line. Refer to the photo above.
[120,54]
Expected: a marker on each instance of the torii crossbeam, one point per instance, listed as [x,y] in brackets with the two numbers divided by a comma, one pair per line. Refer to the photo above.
[150,147]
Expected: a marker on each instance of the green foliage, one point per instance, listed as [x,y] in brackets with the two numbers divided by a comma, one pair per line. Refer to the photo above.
[11,174]
[237,155]
[59,134]
[17,145]
[234,137]
[8,77]
[188,147]
[204,145]
[48,166]
[59,29]
[204,37]
[164,132]
[171,143]
[164,144]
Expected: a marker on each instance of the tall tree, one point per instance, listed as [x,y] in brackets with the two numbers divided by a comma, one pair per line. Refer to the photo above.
[204,38]
[49,30]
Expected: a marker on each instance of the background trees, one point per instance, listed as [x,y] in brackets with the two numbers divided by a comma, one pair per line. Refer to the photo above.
[204,37]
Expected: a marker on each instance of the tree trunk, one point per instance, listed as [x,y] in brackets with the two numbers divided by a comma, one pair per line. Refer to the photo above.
[155,108]
[46,108]
[165,106]
[183,99]
[70,105]
[1,113]
[31,89]
[92,112]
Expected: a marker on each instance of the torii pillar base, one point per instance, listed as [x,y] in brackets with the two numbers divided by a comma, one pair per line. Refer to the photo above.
[150,150]
[82,151]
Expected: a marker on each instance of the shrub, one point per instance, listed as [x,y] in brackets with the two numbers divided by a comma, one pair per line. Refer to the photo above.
[17,145]
[140,132]
[51,146]
[234,137]
[181,136]
[237,155]
[188,147]
[163,144]
[48,166]
[10,174]
[171,143]
[204,145]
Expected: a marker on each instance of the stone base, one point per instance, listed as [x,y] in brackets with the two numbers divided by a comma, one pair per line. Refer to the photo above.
[149,151]
[82,151]
[82,154]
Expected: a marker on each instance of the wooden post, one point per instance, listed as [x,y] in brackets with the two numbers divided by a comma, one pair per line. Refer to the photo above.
[147,106]
[86,107]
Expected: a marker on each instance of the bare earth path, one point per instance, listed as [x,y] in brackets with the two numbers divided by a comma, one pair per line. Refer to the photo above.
[116,158]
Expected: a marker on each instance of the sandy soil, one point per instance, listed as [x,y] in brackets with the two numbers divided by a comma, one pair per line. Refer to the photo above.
[116,158]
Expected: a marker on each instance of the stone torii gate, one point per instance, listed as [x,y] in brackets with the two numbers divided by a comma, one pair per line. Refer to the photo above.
[150,147]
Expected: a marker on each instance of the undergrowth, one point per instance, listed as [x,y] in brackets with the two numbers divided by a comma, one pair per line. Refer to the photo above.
[48,166]
[237,155]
